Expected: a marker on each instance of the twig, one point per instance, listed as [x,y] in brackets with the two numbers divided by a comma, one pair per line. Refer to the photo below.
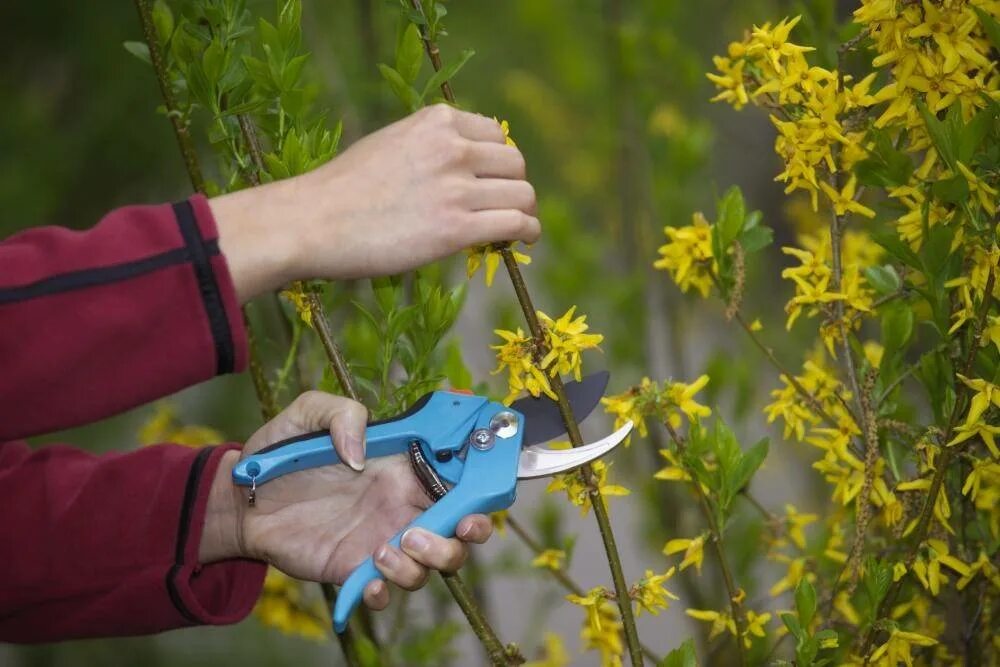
[735,605]
[572,428]
[940,466]
[561,575]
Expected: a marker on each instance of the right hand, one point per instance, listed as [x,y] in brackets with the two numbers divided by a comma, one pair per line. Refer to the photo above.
[416,191]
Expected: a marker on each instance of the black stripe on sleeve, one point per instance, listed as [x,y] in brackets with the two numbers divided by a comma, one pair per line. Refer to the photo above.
[187,506]
[208,286]
[100,275]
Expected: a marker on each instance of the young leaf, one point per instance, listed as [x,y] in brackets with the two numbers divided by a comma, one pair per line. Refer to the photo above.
[990,25]
[409,54]
[793,625]
[731,215]
[400,88]
[805,602]
[682,656]
[447,73]
[883,279]
[138,49]
[749,463]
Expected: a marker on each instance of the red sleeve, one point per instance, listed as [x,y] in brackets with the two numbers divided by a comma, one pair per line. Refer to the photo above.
[93,323]
[107,545]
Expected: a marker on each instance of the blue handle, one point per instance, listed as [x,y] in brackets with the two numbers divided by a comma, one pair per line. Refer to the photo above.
[488,483]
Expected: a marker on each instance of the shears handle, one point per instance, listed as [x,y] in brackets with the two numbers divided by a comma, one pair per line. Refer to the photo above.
[488,484]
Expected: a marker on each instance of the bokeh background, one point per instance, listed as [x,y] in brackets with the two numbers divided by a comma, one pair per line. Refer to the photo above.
[609,103]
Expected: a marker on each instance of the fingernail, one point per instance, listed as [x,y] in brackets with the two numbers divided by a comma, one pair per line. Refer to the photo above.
[387,556]
[415,540]
[355,452]
[465,531]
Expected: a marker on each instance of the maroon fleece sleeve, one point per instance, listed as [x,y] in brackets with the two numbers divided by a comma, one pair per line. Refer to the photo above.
[96,322]
[107,545]
[93,323]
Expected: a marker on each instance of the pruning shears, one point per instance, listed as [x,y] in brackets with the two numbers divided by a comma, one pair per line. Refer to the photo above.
[467,451]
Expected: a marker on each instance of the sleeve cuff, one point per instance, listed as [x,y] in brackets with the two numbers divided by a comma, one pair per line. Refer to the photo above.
[225,318]
[218,593]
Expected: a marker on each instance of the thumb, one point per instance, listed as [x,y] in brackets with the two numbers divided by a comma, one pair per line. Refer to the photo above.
[345,419]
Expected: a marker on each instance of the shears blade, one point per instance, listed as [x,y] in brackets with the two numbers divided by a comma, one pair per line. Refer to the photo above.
[542,462]
[542,421]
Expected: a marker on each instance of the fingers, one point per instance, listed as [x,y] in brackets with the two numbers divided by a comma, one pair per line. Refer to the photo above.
[376,595]
[345,419]
[433,550]
[399,568]
[475,126]
[501,193]
[492,160]
[475,528]
[511,224]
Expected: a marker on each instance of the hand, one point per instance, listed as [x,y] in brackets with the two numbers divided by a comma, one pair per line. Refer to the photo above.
[418,190]
[319,524]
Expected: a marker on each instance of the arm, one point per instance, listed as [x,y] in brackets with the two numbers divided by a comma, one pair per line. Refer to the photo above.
[109,545]
[96,322]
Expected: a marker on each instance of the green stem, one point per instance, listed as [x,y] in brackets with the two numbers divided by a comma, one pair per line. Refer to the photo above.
[572,428]
[735,606]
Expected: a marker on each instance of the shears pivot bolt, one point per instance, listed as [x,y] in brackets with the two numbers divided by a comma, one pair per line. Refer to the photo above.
[482,438]
[504,424]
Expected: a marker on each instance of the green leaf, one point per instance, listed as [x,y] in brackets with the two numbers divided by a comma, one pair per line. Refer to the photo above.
[756,238]
[805,601]
[163,21]
[895,246]
[446,73]
[409,54]
[883,279]
[990,25]
[213,61]
[749,464]
[897,328]
[400,88]
[388,293]
[682,656]
[138,49]
[731,215]
[954,190]
[454,367]
[940,136]
[974,132]
[792,623]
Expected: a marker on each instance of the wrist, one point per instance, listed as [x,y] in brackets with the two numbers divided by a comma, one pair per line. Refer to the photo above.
[222,534]
[258,237]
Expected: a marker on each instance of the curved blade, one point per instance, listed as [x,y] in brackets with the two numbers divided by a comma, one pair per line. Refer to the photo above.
[542,420]
[542,462]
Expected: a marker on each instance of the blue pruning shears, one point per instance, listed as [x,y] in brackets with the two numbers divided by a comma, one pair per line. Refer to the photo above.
[477,446]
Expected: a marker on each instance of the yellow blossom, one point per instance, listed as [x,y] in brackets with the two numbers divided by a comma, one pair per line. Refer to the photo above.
[489,255]
[164,427]
[499,521]
[897,648]
[844,201]
[296,294]
[672,472]
[579,492]
[927,567]
[986,394]
[796,523]
[552,559]
[602,627]
[693,548]
[721,621]
[687,255]
[796,571]
[650,594]
[285,605]
[555,654]
[755,626]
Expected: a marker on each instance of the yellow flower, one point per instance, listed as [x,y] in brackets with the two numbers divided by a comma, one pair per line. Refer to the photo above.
[897,648]
[985,194]
[986,394]
[756,325]
[755,626]
[566,339]
[981,470]
[796,571]
[927,567]
[489,255]
[552,559]
[499,521]
[555,654]
[648,400]
[672,472]
[721,621]
[796,523]
[602,627]
[505,126]
[284,605]
[296,294]
[579,492]
[730,81]
[693,548]
[681,396]
[687,255]
[163,426]
[650,593]
[844,201]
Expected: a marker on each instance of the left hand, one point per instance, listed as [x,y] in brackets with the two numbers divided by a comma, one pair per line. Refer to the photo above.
[319,524]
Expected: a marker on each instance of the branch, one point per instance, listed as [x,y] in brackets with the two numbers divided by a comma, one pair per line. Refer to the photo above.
[735,606]
[572,428]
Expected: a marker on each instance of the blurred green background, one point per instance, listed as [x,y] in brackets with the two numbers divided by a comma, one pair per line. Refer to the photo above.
[609,103]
